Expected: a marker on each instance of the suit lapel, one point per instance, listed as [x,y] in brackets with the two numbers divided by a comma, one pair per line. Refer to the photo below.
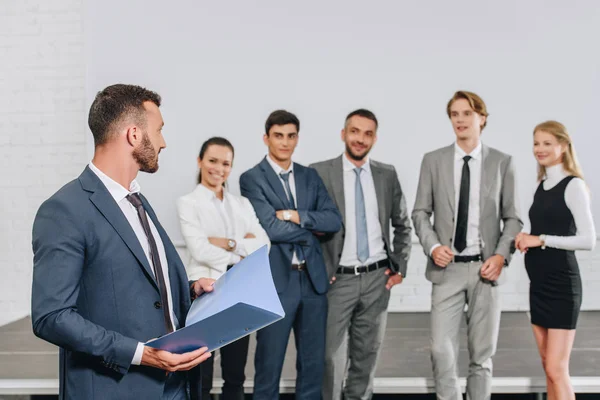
[336,177]
[301,187]
[275,182]
[487,174]
[173,259]
[447,174]
[107,206]
[379,182]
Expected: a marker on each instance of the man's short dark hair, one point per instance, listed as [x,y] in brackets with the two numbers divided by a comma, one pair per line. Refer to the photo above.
[362,112]
[281,117]
[115,103]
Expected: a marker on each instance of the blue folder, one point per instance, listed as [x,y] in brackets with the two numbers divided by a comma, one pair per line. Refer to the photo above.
[243,301]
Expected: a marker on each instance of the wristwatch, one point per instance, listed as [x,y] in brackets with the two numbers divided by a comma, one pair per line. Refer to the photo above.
[231,244]
[287,215]
[543,240]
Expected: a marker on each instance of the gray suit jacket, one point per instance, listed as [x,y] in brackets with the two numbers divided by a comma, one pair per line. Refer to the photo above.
[498,204]
[392,208]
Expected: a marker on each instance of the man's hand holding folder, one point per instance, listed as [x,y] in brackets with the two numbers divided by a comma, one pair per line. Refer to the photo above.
[241,301]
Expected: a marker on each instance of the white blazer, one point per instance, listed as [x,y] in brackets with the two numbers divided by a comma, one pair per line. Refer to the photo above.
[200,219]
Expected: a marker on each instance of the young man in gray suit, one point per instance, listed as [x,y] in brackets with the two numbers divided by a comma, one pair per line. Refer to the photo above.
[471,191]
[362,263]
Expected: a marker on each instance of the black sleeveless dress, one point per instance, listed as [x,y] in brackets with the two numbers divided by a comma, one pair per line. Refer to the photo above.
[555,290]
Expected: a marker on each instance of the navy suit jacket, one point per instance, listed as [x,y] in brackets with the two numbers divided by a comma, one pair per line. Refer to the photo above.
[318,215]
[94,293]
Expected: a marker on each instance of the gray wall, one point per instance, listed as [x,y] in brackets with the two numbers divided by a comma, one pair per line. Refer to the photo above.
[223,66]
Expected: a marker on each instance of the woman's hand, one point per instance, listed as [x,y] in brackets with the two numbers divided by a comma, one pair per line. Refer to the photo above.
[525,241]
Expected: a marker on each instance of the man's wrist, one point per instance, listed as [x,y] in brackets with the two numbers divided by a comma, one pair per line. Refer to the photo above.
[504,261]
[137,356]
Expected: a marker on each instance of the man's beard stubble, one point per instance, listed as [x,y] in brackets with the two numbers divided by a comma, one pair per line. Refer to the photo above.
[355,157]
[146,156]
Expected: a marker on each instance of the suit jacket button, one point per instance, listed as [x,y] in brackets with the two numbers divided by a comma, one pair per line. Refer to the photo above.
[157,305]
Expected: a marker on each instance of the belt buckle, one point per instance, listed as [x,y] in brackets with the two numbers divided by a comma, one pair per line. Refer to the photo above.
[356,267]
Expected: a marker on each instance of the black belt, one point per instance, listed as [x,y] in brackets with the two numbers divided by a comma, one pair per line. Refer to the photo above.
[468,259]
[299,267]
[361,269]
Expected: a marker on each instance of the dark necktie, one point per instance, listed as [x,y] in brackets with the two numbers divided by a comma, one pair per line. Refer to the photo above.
[134,199]
[462,221]
[291,204]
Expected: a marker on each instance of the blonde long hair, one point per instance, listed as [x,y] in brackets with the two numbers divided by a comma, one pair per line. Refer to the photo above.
[569,158]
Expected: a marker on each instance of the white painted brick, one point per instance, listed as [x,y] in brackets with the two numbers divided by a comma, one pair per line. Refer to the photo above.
[42,127]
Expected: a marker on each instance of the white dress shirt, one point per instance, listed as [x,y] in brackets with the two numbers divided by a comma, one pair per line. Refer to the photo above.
[203,215]
[278,170]
[374,232]
[577,198]
[119,194]
[474,243]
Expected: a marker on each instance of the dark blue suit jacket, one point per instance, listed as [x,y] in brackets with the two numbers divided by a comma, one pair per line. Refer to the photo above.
[94,294]
[318,214]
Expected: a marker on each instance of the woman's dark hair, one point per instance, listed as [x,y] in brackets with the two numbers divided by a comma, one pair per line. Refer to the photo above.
[218,141]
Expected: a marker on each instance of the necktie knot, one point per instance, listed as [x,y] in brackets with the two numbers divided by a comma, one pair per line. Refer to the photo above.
[134,198]
[357,171]
[285,176]
[467,158]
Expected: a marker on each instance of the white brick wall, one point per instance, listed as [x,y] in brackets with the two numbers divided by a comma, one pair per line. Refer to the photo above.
[42,127]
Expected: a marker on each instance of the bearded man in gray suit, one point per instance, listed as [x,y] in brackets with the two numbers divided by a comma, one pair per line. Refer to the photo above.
[471,191]
[362,263]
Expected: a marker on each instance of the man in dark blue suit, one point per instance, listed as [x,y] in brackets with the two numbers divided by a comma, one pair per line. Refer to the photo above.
[106,277]
[293,206]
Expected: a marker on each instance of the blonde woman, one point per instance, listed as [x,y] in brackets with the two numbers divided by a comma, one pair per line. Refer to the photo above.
[561,222]
[219,229]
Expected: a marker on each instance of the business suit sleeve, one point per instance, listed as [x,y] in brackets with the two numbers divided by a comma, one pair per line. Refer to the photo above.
[196,239]
[326,218]
[277,230]
[59,247]
[402,230]
[421,214]
[261,238]
[509,212]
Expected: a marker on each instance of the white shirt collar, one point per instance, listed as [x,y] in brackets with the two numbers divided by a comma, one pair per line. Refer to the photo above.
[209,194]
[277,168]
[555,172]
[460,153]
[348,166]
[115,189]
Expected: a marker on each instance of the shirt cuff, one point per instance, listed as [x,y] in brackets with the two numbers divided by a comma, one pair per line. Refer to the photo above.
[435,246]
[137,357]
[240,249]
[234,259]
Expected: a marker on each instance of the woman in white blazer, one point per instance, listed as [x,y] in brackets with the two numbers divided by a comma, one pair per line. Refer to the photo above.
[219,229]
